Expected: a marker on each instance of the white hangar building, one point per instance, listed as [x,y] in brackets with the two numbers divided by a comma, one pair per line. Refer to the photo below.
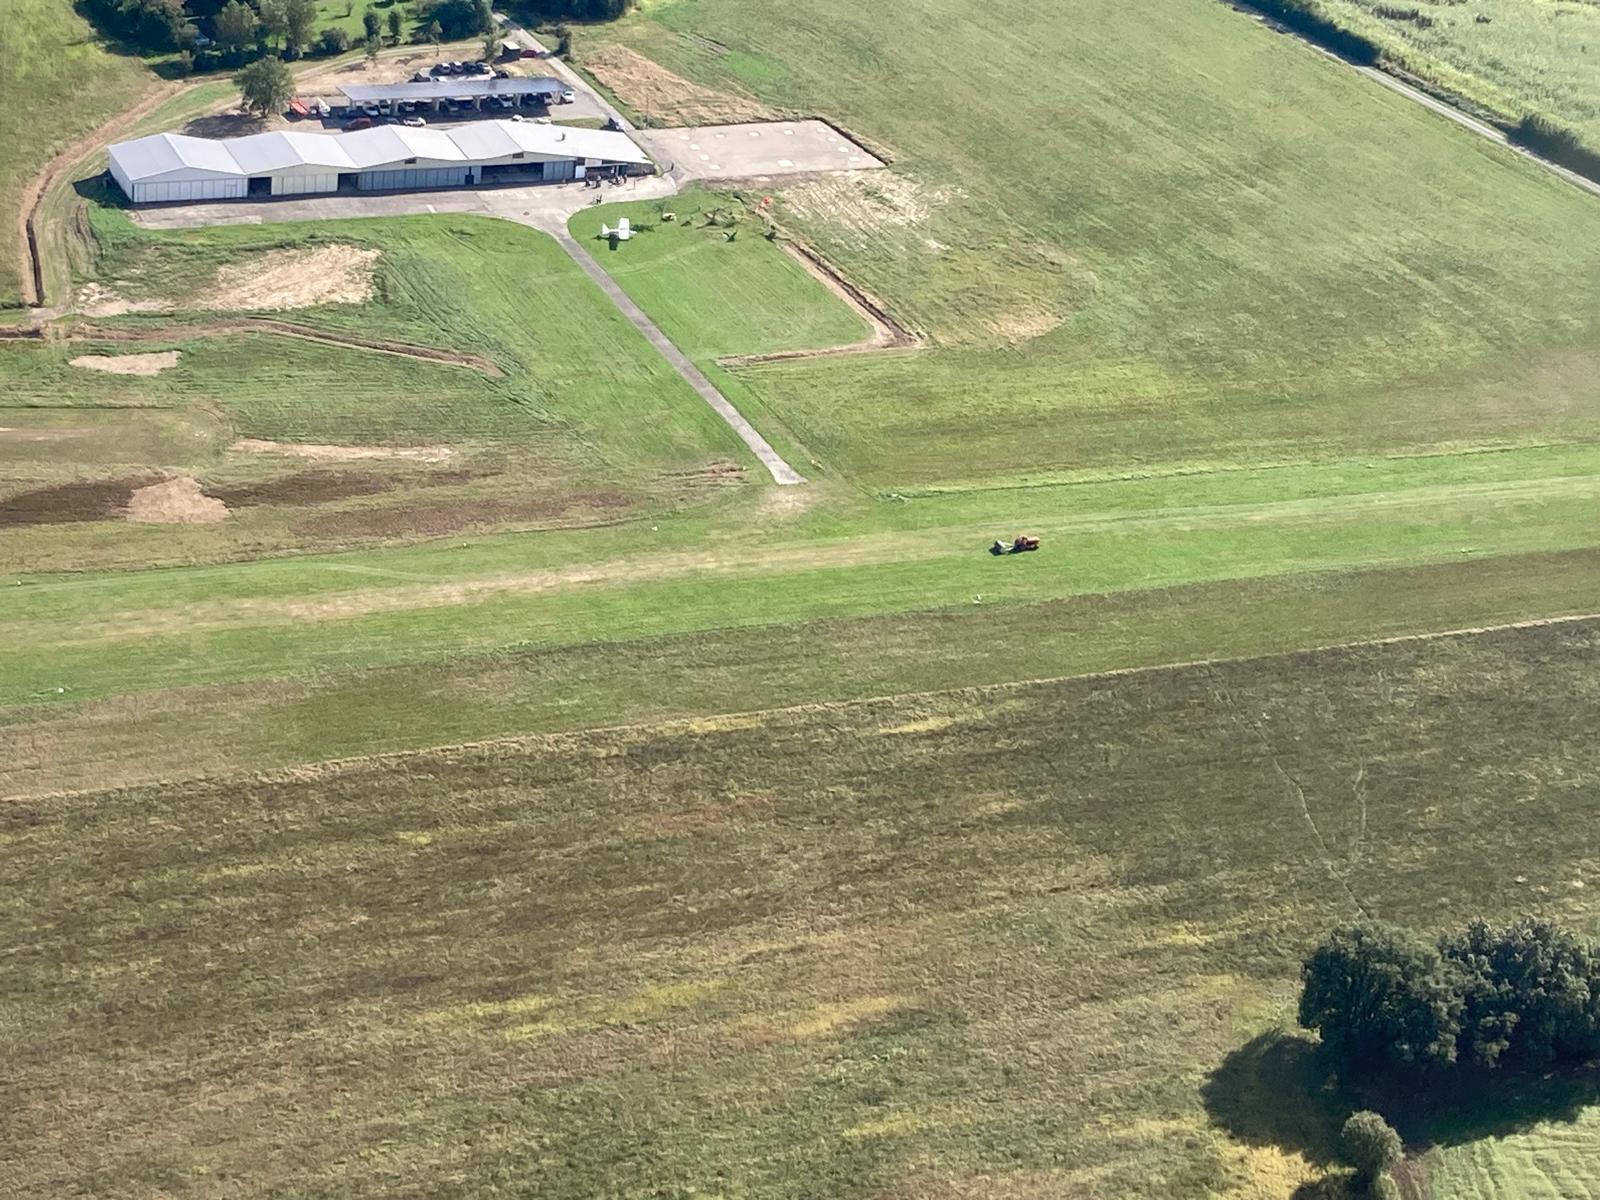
[172,166]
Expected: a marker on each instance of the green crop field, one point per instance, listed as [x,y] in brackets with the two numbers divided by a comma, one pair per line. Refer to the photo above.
[820,853]
[1027,942]
[1511,56]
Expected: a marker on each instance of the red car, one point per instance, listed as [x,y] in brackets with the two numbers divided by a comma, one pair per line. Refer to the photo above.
[359,123]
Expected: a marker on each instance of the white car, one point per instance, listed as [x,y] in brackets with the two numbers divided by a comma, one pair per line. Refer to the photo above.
[566,96]
[414,122]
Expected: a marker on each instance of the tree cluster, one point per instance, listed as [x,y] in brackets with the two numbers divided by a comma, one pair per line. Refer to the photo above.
[1388,1000]
[579,10]
[240,28]
[458,19]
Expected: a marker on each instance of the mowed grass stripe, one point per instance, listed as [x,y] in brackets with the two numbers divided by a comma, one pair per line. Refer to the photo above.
[236,728]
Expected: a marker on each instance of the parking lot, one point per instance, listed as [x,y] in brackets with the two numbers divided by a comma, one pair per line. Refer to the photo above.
[754,151]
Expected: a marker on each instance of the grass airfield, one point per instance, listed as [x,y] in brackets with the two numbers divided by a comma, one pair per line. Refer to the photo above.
[798,873]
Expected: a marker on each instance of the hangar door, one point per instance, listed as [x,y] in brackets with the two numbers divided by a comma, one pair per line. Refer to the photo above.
[188,189]
[425,177]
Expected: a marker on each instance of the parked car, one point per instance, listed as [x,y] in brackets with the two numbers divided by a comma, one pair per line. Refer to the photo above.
[422,77]
[566,96]
[504,102]
[359,123]
[414,122]
[518,117]
[499,74]
[371,110]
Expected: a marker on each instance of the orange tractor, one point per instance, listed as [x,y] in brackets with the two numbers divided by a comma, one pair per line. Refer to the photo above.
[1019,545]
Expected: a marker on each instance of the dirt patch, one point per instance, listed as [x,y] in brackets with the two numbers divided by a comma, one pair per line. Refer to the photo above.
[305,487]
[866,203]
[454,516]
[60,433]
[95,500]
[128,364]
[98,300]
[668,99]
[175,502]
[283,279]
[427,454]
[225,125]
[1021,327]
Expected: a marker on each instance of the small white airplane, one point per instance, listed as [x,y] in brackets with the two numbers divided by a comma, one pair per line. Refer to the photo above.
[622,232]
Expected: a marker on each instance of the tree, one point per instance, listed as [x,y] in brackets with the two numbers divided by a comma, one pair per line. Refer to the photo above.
[265,86]
[275,20]
[372,45]
[235,26]
[1373,1148]
[433,34]
[302,16]
[491,45]
[1381,997]
[1528,993]
[369,24]
[394,25]
[334,40]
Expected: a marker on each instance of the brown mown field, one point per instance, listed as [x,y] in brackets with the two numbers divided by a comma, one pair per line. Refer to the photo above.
[1022,941]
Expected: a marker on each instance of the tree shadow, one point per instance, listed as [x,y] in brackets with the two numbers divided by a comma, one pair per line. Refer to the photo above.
[227,124]
[1278,1089]
[101,191]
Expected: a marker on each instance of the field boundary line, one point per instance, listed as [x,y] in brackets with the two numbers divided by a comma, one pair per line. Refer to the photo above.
[332,766]
[887,333]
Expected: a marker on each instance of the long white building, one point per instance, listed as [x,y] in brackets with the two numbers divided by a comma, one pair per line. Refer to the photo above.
[172,166]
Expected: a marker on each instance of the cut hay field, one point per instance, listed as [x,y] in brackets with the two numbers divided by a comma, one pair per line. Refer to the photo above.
[1026,942]
[1158,243]
[1511,56]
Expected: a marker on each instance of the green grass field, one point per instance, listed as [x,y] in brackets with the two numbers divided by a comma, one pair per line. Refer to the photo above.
[787,955]
[806,883]
[1130,261]
[1511,56]
[67,83]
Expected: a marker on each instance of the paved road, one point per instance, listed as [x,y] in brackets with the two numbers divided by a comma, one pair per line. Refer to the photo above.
[516,33]
[782,472]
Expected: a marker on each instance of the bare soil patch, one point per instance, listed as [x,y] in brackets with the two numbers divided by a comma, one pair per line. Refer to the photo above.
[668,99]
[427,454]
[1014,328]
[93,500]
[98,300]
[306,487]
[866,203]
[283,279]
[176,501]
[128,364]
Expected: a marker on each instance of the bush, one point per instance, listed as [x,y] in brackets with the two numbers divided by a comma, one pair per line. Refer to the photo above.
[1372,1147]
[1305,19]
[1558,144]
[334,40]
[1382,999]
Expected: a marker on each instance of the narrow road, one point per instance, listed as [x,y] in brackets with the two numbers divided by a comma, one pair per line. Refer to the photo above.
[516,33]
[782,472]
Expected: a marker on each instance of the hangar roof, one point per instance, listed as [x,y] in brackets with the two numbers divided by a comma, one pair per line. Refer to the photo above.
[452,87]
[162,154]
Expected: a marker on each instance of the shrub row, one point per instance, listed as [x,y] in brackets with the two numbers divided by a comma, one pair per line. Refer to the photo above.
[1558,144]
[1387,1000]
[1305,19]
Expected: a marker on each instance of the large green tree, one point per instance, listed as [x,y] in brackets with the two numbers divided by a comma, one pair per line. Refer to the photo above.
[235,25]
[1382,998]
[265,86]
[302,15]
[1373,1148]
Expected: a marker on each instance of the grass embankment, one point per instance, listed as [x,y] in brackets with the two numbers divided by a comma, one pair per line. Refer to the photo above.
[59,82]
[786,953]
[1157,265]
